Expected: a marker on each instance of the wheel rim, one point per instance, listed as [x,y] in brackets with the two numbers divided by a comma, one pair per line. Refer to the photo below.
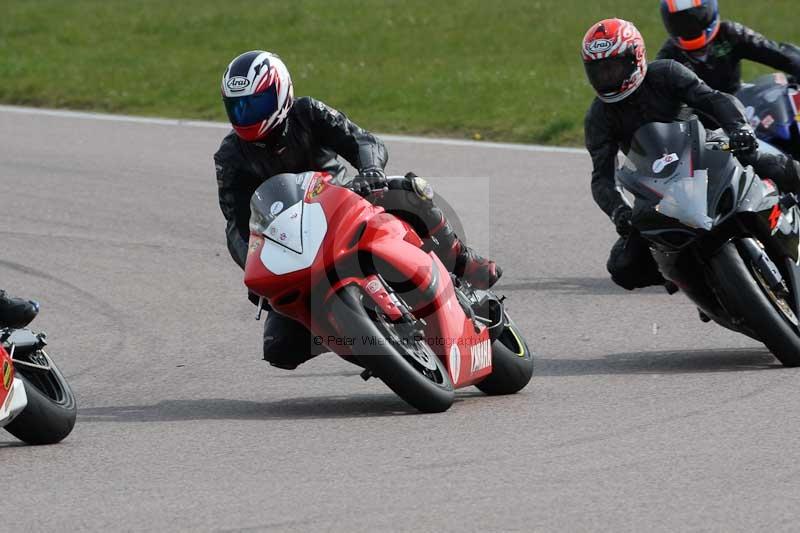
[412,348]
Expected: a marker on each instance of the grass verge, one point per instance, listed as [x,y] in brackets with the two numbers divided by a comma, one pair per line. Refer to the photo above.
[466,68]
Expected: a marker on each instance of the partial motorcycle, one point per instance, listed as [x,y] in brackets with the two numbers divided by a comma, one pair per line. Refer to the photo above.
[728,239]
[36,404]
[358,278]
[772,104]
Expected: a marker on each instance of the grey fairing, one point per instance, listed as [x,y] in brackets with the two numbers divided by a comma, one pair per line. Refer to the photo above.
[731,190]
[760,197]
[686,140]
[637,173]
[756,195]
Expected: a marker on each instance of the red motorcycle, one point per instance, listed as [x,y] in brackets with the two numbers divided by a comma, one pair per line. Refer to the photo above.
[36,403]
[358,278]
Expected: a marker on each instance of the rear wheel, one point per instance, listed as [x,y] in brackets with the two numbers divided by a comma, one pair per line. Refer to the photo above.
[394,353]
[766,313]
[512,363]
[50,414]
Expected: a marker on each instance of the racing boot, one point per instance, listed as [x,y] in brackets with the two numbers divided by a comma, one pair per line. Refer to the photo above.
[415,205]
[16,312]
[462,260]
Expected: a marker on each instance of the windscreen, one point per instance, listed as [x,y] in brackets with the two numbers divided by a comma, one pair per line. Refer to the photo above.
[661,151]
[275,196]
[660,171]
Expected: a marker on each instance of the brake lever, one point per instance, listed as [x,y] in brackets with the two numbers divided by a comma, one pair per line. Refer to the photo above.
[366,193]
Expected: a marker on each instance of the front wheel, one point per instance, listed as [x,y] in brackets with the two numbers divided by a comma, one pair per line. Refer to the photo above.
[394,353]
[512,363]
[51,411]
[769,317]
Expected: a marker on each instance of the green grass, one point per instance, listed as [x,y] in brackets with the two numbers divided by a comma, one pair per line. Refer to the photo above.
[506,70]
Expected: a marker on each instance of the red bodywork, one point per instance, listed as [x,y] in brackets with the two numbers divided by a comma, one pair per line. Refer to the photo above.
[303,295]
[6,374]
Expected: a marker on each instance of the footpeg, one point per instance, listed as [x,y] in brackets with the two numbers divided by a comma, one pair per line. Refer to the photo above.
[366,374]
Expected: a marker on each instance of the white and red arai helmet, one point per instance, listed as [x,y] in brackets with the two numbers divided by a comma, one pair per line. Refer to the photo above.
[257,92]
[614,56]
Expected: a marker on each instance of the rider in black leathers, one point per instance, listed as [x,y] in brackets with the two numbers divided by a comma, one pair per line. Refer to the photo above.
[665,91]
[719,63]
[308,136]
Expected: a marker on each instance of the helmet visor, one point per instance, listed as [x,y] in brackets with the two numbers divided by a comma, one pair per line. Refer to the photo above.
[690,24]
[607,76]
[251,109]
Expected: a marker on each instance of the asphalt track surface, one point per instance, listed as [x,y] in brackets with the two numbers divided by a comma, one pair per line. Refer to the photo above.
[639,415]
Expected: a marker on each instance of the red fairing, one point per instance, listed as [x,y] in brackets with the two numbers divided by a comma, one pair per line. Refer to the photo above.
[451,334]
[357,229]
[297,294]
[794,95]
[6,375]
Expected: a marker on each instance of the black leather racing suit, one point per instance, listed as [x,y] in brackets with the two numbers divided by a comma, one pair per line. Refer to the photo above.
[312,137]
[721,69]
[664,95]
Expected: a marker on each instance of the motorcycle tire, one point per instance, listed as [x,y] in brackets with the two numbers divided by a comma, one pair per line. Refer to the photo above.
[512,363]
[746,297]
[429,390]
[51,411]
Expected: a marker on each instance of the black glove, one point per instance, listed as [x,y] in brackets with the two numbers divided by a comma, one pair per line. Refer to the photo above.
[622,220]
[744,142]
[368,180]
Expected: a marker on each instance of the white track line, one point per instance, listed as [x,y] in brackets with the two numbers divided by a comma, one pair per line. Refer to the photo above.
[82,115]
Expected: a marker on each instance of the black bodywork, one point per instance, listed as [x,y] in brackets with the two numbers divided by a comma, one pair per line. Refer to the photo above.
[691,197]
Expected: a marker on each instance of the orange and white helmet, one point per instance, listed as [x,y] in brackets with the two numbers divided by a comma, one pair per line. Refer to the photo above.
[692,24]
[257,92]
[615,59]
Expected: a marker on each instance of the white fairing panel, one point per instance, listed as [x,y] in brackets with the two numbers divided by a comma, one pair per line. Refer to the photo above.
[686,199]
[300,230]
[15,402]
[287,228]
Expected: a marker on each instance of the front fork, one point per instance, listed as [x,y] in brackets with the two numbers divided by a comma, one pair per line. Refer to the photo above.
[758,257]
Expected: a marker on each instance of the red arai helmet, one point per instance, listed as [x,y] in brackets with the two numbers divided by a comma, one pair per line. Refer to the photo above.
[615,60]
[257,92]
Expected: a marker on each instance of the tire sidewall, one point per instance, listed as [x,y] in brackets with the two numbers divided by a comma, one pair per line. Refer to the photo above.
[743,293]
[511,372]
[44,421]
[386,363]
